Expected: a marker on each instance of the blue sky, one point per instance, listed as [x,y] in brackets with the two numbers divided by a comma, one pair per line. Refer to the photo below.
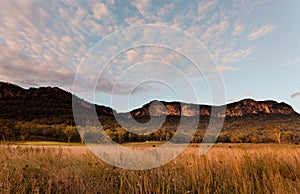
[256,46]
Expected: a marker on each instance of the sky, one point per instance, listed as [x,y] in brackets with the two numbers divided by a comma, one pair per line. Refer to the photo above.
[119,51]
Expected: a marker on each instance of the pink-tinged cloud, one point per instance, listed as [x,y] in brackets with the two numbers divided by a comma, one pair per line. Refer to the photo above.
[225,68]
[296,94]
[268,28]
[238,55]
[231,99]
[238,29]
[294,61]
[248,93]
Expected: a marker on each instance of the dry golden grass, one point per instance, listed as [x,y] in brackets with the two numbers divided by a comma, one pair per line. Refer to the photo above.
[224,169]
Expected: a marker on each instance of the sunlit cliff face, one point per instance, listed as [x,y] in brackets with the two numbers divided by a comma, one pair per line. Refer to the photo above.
[241,108]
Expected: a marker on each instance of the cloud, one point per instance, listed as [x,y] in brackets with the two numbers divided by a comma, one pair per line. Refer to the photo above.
[231,99]
[248,93]
[131,56]
[290,64]
[222,30]
[238,29]
[214,31]
[100,10]
[294,61]
[44,42]
[204,7]
[31,53]
[246,7]
[143,6]
[238,55]
[225,68]
[296,94]
[134,21]
[263,31]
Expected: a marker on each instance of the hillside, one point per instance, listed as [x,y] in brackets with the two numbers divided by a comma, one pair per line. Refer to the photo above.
[44,113]
[44,103]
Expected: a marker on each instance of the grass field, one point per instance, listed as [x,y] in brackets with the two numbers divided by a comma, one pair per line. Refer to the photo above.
[226,168]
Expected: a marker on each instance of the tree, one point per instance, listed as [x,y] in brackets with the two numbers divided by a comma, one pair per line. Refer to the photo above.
[23,129]
[4,131]
[121,134]
[81,131]
[277,135]
[69,132]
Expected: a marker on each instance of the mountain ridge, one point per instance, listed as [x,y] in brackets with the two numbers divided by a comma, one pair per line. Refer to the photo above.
[44,113]
[40,103]
[11,93]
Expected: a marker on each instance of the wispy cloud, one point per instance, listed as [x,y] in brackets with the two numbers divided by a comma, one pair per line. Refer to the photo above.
[266,29]
[100,10]
[144,7]
[290,64]
[238,29]
[225,68]
[294,61]
[225,29]
[215,30]
[296,94]
[44,42]
[204,7]
[238,55]
[247,6]
[231,99]
[248,93]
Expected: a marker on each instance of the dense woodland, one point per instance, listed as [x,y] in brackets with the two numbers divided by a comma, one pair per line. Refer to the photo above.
[235,130]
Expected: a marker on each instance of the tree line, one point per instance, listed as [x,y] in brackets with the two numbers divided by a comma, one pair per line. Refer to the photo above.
[30,131]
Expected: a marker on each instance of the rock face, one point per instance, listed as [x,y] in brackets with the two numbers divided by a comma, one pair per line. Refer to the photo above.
[242,108]
[248,106]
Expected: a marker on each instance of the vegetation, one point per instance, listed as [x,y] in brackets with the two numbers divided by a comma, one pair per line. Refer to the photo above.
[11,130]
[69,132]
[234,168]
[45,114]
[30,163]
[265,129]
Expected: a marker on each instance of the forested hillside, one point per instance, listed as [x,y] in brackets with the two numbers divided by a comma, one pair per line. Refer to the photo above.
[46,114]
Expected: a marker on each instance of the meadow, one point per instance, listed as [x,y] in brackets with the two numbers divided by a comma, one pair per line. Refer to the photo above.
[226,168]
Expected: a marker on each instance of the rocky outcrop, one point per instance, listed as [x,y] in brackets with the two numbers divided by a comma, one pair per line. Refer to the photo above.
[237,109]
[251,107]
